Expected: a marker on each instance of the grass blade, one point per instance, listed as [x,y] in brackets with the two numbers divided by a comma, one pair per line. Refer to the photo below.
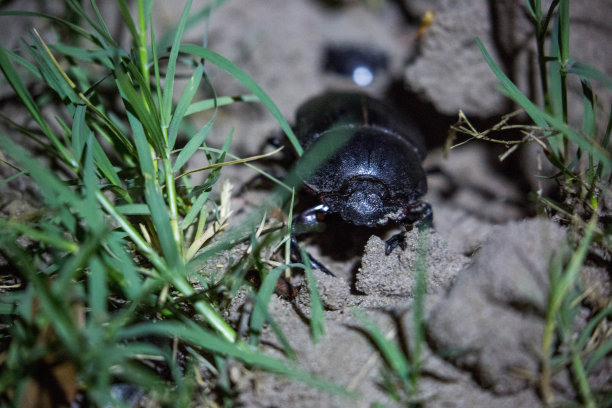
[80,132]
[317,314]
[598,354]
[40,236]
[140,103]
[127,17]
[97,289]
[218,102]
[194,143]
[23,94]
[202,338]
[166,106]
[585,71]
[544,120]
[389,350]
[258,317]
[564,27]
[75,28]
[181,108]
[154,197]
[511,90]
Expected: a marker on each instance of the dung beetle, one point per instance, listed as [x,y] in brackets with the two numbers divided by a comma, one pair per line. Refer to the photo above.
[374,177]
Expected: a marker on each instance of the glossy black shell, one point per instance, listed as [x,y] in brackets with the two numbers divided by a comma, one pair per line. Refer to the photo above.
[377,175]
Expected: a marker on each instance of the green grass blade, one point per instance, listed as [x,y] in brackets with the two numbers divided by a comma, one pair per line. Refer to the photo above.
[317,314]
[599,353]
[116,258]
[181,108]
[96,56]
[512,91]
[531,8]
[389,350]
[102,35]
[101,24]
[195,209]
[15,82]
[134,209]
[52,307]
[195,17]
[80,132]
[544,120]
[166,106]
[218,102]
[88,207]
[587,145]
[30,68]
[554,82]
[585,71]
[141,103]
[39,235]
[194,144]
[589,106]
[258,317]
[50,73]
[106,167]
[202,338]
[564,27]
[251,85]
[73,266]
[54,191]
[97,289]
[156,72]
[568,279]
[76,28]
[590,327]
[153,195]
[127,18]
[261,315]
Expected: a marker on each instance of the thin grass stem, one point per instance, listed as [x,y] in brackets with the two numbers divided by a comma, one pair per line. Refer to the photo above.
[142,41]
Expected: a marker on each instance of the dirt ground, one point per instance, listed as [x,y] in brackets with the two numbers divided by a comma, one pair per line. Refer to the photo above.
[487,262]
[487,255]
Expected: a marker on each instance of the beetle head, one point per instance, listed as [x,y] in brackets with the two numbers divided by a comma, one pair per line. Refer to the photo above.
[361,202]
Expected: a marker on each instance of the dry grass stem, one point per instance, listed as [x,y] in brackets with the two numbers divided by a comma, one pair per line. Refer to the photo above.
[464,126]
[218,225]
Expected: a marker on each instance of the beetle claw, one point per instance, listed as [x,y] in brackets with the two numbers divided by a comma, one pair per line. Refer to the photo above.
[398,239]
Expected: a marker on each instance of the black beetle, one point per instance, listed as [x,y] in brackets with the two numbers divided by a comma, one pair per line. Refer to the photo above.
[375,176]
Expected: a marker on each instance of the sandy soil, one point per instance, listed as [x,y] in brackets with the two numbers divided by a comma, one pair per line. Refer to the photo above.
[487,276]
[487,257]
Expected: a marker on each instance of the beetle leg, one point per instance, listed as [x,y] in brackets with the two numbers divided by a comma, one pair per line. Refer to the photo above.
[308,221]
[296,256]
[396,240]
[422,218]
[426,220]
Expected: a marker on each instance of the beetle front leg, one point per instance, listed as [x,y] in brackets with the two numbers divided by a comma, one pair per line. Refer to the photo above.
[421,216]
[305,222]
[396,240]
[296,256]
